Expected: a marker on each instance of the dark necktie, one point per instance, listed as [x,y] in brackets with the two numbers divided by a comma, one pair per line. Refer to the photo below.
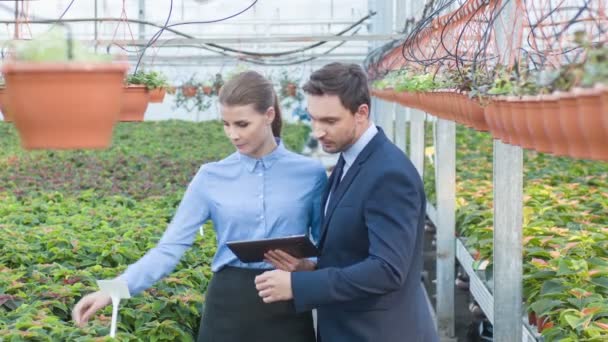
[338,171]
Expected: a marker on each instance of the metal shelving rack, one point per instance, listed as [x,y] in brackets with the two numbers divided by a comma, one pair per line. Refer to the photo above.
[504,304]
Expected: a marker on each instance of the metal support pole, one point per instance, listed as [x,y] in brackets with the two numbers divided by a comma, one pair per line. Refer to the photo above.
[142,17]
[401,127]
[508,268]
[417,117]
[401,113]
[417,123]
[96,31]
[17,19]
[445,185]
[508,207]
[382,112]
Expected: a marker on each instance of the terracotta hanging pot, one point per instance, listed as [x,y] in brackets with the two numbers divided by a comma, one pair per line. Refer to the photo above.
[589,103]
[189,91]
[429,104]
[207,90]
[504,120]
[603,88]
[463,110]
[491,117]
[426,102]
[407,99]
[553,128]
[291,89]
[64,105]
[3,105]
[476,114]
[520,123]
[536,124]
[136,98]
[459,108]
[568,119]
[157,95]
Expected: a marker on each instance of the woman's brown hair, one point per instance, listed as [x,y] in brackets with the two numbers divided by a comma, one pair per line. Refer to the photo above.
[250,87]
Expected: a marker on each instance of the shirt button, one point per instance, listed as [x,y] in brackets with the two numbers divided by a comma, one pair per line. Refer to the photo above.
[262,196]
[260,174]
[262,217]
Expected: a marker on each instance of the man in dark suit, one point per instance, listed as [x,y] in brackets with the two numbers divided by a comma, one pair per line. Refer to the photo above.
[366,285]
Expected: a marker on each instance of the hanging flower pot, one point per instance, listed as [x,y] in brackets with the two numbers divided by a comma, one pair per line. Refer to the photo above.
[407,99]
[553,129]
[520,123]
[491,117]
[604,95]
[189,91]
[387,94]
[505,128]
[64,105]
[536,124]
[460,103]
[589,116]
[207,90]
[154,81]
[568,119]
[157,95]
[60,95]
[136,98]
[3,105]
[291,89]
[476,113]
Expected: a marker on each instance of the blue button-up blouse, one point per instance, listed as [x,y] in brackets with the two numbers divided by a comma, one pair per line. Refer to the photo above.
[246,198]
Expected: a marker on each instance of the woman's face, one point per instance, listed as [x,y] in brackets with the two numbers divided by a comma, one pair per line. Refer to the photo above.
[249,130]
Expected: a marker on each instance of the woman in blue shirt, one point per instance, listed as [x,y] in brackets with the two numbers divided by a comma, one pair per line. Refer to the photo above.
[260,191]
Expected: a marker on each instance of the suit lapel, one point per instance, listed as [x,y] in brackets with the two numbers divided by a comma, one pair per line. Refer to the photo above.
[352,172]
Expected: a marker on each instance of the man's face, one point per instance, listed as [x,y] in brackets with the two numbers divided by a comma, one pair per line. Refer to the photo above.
[336,127]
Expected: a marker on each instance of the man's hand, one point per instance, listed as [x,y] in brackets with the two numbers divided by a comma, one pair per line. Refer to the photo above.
[88,305]
[286,262]
[274,286]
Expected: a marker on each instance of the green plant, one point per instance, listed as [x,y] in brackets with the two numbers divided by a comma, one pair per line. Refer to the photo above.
[417,83]
[68,218]
[201,101]
[56,46]
[289,89]
[152,79]
[390,79]
[595,66]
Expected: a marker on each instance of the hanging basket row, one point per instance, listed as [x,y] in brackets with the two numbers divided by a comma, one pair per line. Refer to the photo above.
[446,104]
[571,124]
[70,105]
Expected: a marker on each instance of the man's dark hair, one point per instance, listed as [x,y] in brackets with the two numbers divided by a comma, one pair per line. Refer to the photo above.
[347,81]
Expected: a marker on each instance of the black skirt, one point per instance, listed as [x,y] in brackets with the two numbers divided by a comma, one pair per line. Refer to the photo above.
[233,312]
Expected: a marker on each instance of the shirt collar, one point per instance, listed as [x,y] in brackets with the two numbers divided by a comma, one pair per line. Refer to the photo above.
[351,153]
[266,161]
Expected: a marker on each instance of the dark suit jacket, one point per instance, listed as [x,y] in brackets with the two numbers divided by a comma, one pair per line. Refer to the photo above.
[368,283]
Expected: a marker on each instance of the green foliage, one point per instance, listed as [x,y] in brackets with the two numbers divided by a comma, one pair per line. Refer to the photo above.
[70,217]
[565,234]
[595,69]
[390,79]
[288,89]
[54,46]
[152,79]
[201,101]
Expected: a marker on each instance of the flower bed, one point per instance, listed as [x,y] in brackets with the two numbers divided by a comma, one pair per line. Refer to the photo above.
[68,218]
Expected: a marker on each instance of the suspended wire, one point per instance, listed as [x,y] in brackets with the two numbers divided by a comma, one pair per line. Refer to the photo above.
[216,48]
